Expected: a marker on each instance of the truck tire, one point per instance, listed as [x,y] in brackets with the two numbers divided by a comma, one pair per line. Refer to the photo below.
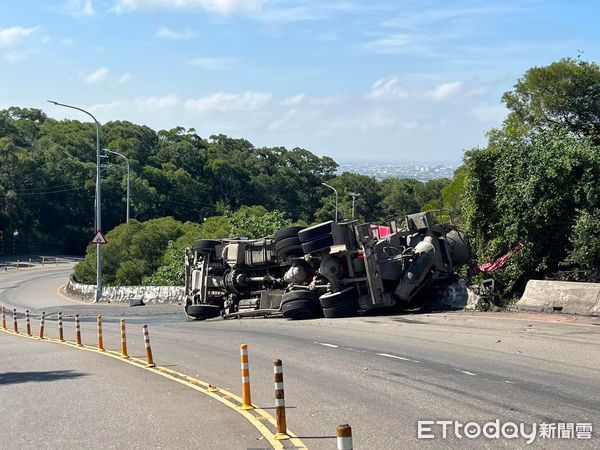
[285,233]
[285,246]
[331,300]
[344,310]
[315,232]
[202,312]
[317,245]
[301,309]
[300,294]
[205,244]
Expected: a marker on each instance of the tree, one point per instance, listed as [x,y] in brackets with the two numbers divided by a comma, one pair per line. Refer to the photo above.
[564,93]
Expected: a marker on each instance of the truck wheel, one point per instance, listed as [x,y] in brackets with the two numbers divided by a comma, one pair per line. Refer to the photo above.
[317,245]
[315,232]
[300,294]
[202,312]
[344,310]
[205,244]
[286,232]
[301,309]
[342,297]
[288,246]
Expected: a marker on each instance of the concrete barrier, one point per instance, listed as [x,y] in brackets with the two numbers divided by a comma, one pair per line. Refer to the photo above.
[561,296]
[129,294]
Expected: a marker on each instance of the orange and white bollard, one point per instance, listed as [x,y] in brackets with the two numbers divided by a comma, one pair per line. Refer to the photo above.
[61,335]
[100,339]
[279,401]
[123,340]
[149,358]
[3,318]
[246,399]
[15,324]
[27,323]
[42,320]
[344,437]
[77,330]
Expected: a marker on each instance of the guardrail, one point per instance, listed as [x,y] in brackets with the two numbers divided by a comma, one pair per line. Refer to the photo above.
[42,262]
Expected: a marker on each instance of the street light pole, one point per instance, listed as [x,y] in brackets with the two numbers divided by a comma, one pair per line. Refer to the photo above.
[336,199]
[353,195]
[98,295]
[128,179]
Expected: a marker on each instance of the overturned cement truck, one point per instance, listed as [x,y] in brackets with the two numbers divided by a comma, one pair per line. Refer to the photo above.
[333,269]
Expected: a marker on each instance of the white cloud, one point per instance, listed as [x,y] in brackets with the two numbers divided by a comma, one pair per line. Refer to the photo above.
[13,35]
[67,42]
[445,90]
[97,76]
[386,88]
[217,6]
[227,102]
[493,113]
[46,39]
[125,78]
[77,8]
[168,33]
[17,56]
[293,100]
[214,63]
[161,102]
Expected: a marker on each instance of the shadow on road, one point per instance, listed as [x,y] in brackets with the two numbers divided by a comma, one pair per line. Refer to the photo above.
[29,377]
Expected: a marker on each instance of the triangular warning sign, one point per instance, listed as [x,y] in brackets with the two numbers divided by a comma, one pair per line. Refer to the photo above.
[99,238]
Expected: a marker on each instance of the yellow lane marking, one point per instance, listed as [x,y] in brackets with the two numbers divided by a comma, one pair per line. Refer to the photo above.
[58,291]
[255,416]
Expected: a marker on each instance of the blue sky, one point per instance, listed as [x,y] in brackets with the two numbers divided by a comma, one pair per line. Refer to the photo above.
[380,80]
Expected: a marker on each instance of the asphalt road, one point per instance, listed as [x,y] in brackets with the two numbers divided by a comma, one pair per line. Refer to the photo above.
[380,374]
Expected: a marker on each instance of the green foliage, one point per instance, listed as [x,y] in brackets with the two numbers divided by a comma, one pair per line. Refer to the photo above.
[255,222]
[565,93]
[172,272]
[134,251]
[585,244]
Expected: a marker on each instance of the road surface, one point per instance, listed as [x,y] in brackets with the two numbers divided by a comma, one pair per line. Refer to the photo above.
[379,374]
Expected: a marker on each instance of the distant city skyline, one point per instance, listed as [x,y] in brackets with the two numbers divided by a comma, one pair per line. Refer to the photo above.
[384,79]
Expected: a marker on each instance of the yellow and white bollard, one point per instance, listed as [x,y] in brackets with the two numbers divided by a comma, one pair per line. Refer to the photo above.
[15,324]
[149,358]
[123,340]
[246,399]
[42,320]
[100,339]
[61,335]
[57,261]
[27,323]
[17,264]
[43,261]
[280,401]
[344,437]
[29,262]
[3,318]
[77,330]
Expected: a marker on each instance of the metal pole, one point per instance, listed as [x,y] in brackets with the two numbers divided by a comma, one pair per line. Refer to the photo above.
[336,199]
[353,195]
[128,178]
[98,294]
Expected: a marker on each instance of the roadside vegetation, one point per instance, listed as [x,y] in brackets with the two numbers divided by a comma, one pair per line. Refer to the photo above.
[535,184]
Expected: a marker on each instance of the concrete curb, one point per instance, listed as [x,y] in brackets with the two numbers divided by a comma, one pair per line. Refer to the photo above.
[561,296]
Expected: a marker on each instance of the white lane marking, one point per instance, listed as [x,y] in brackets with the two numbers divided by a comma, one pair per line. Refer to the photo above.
[325,344]
[509,382]
[387,355]
[467,372]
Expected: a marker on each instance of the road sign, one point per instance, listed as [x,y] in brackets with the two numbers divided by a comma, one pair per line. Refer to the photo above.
[99,238]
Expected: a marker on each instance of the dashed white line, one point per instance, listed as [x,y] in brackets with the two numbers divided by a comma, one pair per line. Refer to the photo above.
[509,382]
[325,344]
[387,355]
[466,372]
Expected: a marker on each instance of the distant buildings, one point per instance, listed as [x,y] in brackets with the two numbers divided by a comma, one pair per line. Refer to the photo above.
[381,170]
